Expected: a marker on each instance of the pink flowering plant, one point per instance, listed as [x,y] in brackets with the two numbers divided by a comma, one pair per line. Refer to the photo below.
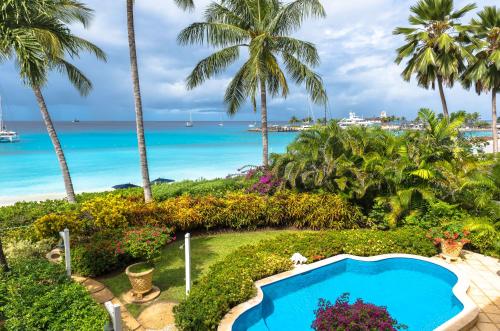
[265,181]
[451,234]
[144,243]
[359,316]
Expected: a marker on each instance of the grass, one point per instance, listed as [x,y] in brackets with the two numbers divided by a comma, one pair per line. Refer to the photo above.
[169,270]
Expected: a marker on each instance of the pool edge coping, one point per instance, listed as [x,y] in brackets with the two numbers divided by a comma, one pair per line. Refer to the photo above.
[464,320]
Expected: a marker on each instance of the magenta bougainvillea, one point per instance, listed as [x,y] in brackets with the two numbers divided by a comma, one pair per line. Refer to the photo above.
[266,182]
[359,316]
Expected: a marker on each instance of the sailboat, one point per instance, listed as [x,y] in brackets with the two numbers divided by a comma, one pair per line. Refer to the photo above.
[221,123]
[190,122]
[5,135]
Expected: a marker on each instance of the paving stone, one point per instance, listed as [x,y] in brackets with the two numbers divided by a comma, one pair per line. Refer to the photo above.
[486,327]
[93,285]
[103,295]
[130,321]
[78,279]
[157,316]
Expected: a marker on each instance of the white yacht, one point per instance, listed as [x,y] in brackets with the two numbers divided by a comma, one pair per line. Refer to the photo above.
[252,125]
[354,120]
[6,136]
[190,122]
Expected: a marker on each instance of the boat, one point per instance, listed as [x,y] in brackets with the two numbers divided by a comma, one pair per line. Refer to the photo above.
[76,120]
[221,123]
[252,125]
[6,136]
[189,123]
[354,120]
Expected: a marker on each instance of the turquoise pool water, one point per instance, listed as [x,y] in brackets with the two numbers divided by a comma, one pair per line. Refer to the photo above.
[416,293]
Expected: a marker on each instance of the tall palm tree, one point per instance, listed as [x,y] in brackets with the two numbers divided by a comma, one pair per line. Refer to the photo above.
[433,45]
[484,71]
[263,28]
[37,35]
[139,119]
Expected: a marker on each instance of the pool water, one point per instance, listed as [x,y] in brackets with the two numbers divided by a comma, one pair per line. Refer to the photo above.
[416,293]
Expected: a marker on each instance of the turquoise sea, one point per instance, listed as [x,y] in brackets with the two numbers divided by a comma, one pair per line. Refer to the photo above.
[103,154]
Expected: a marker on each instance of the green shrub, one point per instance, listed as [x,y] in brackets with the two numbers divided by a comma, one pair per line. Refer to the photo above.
[229,282]
[24,249]
[37,295]
[235,210]
[215,187]
[98,254]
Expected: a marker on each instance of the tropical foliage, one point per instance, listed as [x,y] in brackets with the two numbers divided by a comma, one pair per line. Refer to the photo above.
[360,315]
[420,177]
[483,72]
[433,47]
[263,27]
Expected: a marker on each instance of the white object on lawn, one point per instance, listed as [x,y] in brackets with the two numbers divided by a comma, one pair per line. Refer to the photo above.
[298,258]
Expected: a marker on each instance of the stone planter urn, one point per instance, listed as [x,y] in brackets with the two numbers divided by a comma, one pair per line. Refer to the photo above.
[140,276]
[451,249]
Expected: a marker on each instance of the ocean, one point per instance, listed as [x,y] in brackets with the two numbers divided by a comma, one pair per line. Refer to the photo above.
[103,154]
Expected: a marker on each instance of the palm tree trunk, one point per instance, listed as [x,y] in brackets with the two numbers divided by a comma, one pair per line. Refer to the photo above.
[443,98]
[3,261]
[68,184]
[494,120]
[263,114]
[146,184]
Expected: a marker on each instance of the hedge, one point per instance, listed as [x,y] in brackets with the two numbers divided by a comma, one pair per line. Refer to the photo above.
[229,282]
[37,295]
[235,210]
[25,213]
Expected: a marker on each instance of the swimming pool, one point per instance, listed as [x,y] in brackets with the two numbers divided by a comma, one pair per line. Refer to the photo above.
[418,292]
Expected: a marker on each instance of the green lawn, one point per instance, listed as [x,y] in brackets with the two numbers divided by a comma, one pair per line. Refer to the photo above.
[169,272]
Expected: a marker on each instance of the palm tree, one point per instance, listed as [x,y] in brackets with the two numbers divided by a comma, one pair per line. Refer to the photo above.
[263,28]
[433,45]
[293,120]
[37,35]
[484,70]
[139,119]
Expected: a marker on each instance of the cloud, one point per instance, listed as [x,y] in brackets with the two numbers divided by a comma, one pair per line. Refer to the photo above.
[355,43]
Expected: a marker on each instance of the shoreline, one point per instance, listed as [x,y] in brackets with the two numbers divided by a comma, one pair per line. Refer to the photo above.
[39,197]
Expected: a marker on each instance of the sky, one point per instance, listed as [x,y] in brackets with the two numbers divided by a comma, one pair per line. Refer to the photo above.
[355,43]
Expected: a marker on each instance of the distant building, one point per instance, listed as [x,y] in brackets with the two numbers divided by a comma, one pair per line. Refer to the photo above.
[383,114]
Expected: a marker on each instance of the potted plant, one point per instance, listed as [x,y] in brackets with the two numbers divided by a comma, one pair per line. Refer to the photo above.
[452,239]
[143,244]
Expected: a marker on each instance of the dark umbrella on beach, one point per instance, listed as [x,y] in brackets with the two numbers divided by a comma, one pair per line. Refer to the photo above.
[162,181]
[124,186]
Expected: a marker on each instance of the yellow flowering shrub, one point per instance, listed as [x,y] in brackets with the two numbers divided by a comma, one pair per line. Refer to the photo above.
[109,211]
[50,225]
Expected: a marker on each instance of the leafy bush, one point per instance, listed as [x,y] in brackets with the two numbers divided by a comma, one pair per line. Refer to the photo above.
[215,187]
[37,295]
[110,250]
[50,225]
[24,249]
[98,255]
[229,282]
[344,316]
[236,210]
[144,243]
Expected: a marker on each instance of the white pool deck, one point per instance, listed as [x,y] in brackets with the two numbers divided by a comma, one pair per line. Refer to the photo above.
[484,290]
[482,275]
